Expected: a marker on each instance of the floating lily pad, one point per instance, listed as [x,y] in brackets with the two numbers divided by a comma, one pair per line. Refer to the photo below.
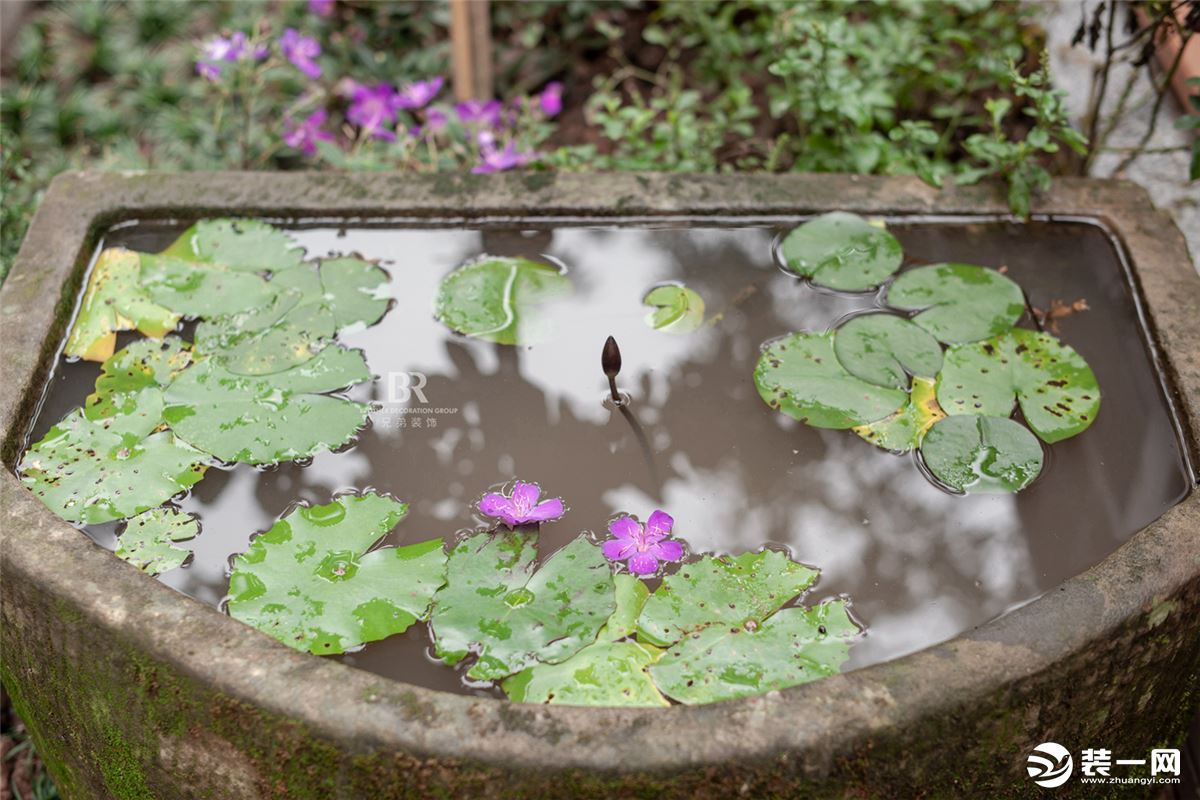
[310,582]
[353,288]
[271,418]
[201,290]
[982,454]
[885,350]
[788,648]
[631,594]
[958,302]
[677,309]
[1057,390]
[801,376]
[276,338]
[496,298]
[496,605]
[86,472]
[114,301]
[129,391]
[904,430]
[243,245]
[148,539]
[842,251]
[601,674]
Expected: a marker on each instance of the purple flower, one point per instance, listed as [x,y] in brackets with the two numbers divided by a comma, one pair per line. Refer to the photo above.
[304,135]
[301,50]
[522,507]
[322,8]
[208,71]
[435,119]
[474,111]
[374,108]
[419,93]
[219,49]
[551,99]
[641,547]
[493,160]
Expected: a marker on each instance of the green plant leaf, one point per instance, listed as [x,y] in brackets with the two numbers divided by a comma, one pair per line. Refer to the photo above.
[958,302]
[842,251]
[242,245]
[129,391]
[311,583]
[114,301]
[495,604]
[201,290]
[677,309]
[904,430]
[724,591]
[87,472]
[801,376]
[982,454]
[147,539]
[271,418]
[496,298]
[1057,390]
[884,349]
[601,674]
[631,594]
[353,291]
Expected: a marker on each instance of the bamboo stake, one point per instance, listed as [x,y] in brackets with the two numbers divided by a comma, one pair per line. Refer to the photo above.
[471,46]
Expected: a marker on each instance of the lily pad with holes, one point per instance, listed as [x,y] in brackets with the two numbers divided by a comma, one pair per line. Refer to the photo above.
[677,309]
[498,604]
[201,290]
[270,418]
[958,302]
[904,430]
[311,583]
[242,245]
[982,454]
[115,301]
[842,251]
[87,471]
[601,674]
[801,376]
[148,541]
[885,350]
[497,298]
[1057,391]
[129,391]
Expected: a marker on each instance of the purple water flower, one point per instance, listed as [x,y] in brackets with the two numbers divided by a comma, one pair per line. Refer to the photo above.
[419,94]
[477,111]
[322,8]
[374,109]
[523,507]
[301,50]
[551,99]
[304,135]
[640,546]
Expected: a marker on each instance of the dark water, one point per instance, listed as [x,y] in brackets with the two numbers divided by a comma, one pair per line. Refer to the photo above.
[920,565]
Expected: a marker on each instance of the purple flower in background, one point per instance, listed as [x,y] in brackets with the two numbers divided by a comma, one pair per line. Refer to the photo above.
[435,119]
[219,49]
[301,50]
[304,135]
[322,8]
[373,108]
[419,93]
[522,507]
[493,160]
[208,71]
[641,547]
[551,99]
[474,111]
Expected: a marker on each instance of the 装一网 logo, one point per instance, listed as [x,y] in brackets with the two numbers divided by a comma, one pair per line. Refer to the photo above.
[1049,765]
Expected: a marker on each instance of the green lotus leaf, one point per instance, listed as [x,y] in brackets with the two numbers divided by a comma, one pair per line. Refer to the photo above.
[311,583]
[242,245]
[677,309]
[904,430]
[958,302]
[278,337]
[87,471]
[801,376]
[496,605]
[129,391]
[724,591]
[1057,390]
[982,454]
[353,289]
[496,298]
[201,290]
[601,674]
[147,541]
[115,301]
[630,594]
[788,648]
[271,418]
[885,350]
[842,251]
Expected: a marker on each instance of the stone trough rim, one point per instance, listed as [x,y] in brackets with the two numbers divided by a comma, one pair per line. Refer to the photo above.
[338,702]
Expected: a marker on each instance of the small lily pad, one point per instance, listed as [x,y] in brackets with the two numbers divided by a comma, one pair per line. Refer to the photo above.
[496,299]
[677,309]
[242,245]
[129,391]
[114,301]
[885,350]
[982,454]
[271,418]
[904,430]
[601,674]
[311,583]
[496,605]
[801,376]
[147,541]
[958,302]
[201,290]
[842,251]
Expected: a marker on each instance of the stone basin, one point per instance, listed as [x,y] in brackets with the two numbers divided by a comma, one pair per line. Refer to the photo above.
[131,689]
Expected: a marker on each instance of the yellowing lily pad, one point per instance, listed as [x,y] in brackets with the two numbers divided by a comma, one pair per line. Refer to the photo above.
[904,430]
[842,251]
[114,301]
[148,539]
[129,391]
[496,299]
